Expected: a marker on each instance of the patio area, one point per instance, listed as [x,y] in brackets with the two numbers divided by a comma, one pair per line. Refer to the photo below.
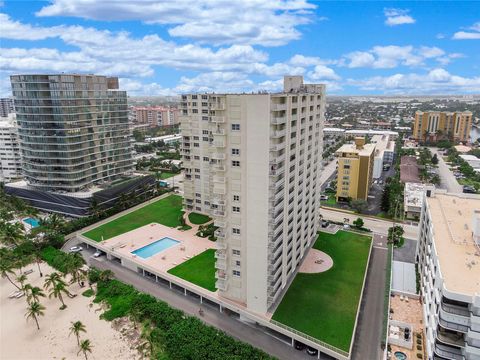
[190,245]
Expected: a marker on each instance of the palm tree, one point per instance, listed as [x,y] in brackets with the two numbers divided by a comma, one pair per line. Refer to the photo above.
[51,280]
[11,234]
[53,223]
[85,347]
[34,310]
[74,268]
[33,293]
[76,328]
[57,290]
[106,275]
[21,279]
[6,269]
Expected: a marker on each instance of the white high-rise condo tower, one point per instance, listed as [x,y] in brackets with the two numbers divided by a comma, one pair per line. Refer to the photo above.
[253,162]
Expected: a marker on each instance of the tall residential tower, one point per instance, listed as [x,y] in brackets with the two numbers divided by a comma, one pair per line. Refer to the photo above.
[437,125]
[73,130]
[252,161]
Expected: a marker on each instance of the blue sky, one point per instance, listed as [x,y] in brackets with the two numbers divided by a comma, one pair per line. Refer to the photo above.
[172,47]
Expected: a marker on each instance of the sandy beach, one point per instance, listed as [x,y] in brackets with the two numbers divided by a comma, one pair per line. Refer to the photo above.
[20,339]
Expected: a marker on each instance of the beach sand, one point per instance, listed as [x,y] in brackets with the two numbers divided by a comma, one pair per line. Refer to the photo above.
[20,339]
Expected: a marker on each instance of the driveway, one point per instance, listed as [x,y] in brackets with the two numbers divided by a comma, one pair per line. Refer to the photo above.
[448,180]
[368,335]
[407,252]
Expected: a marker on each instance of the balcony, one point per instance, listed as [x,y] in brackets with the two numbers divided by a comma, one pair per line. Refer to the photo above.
[220,223]
[277,147]
[278,133]
[277,159]
[456,310]
[219,168]
[218,201]
[219,143]
[451,338]
[221,244]
[220,274]
[217,106]
[278,107]
[448,352]
[218,156]
[218,132]
[219,213]
[452,326]
[277,172]
[219,179]
[220,234]
[277,184]
[278,120]
[221,284]
[221,264]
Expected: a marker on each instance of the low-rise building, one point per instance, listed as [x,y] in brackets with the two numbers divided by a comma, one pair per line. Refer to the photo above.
[167,139]
[409,169]
[355,170]
[153,115]
[472,160]
[413,196]
[384,153]
[448,253]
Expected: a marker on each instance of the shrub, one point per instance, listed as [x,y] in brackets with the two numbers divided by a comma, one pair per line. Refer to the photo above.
[88,293]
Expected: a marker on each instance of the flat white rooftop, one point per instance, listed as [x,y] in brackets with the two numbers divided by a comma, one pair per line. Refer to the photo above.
[458,255]
[413,194]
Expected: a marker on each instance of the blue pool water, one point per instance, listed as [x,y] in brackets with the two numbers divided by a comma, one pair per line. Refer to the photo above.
[32,222]
[155,247]
[399,355]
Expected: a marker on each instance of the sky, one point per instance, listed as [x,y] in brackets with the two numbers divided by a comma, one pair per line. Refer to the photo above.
[171,47]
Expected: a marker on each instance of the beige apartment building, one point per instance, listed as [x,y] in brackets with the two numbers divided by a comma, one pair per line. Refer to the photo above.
[154,115]
[252,161]
[355,170]
[431,126]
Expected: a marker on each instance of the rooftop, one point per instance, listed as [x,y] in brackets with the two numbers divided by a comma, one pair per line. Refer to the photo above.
[409,169]
[366,150]
[459,256]
[414,194]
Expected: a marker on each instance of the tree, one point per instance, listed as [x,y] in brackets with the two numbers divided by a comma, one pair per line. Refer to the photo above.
[53,223]
[358,223]
[33,293]
[135,315]
[85,347]
[34,310]
[434,159]
[57,290]
[11,234]
[6,269]
[76,328]
[106,275]
[359,205]
[395,235]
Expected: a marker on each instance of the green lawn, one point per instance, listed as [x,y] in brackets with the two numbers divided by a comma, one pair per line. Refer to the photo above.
[324,305]
[199,270]
[198,219]
[165,211]
[165,175]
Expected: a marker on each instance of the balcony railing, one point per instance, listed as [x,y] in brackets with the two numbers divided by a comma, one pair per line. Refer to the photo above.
[221,284]
[278,120]
[457,310]
[448,352]
[277,147]
[278,107]
[218,156]
[452,326]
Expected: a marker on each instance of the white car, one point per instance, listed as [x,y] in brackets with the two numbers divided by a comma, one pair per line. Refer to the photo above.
[97,254]
[76,249]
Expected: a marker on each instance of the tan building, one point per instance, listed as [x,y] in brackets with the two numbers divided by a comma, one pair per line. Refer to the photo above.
[252,161]
[154,116]
[435,125]
[355,170]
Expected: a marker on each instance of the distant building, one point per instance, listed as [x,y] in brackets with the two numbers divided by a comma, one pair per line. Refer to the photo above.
[409,170]
[352,133]
[384,153]
[432,126]
[6,107]
[448,253]
[414,194]
[472,160]
[355,170]
[154,116]
[10,160]
[167,139]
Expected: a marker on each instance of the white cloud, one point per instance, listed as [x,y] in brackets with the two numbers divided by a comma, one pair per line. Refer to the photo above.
[474,34]
[436,81]
[396,17]
[262,22]
[321,73]
[388,57]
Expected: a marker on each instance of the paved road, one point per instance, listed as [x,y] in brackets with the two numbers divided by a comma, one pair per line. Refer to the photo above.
[376,225]
[237,329]
[447,178]
[327,172]
[369,329]
[407,252]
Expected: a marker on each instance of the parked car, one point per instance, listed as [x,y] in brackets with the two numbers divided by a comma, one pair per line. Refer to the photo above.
[298,345]
[325,224]
[98,253]
[346,226]
[380,182]
[311,351]
[323,197]
[76,249]
[467,189]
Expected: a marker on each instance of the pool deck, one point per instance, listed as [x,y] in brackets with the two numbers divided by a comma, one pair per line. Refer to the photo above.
[190,245]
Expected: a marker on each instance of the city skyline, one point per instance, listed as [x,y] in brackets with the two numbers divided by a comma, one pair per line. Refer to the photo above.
[166,48]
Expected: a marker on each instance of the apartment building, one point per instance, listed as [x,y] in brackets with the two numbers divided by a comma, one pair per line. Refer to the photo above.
[6,107]
[448,254]
[10,161]
[384,153]
[431,126]
[154,115]
[252,161]
[354,170]
[73,130]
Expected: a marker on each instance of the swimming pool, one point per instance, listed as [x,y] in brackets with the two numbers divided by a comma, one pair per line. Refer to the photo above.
[32,222]
[154,248]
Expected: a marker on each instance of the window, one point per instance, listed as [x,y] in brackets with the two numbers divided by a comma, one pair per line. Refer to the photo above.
[198,195]
[196,157]
[235,151]
[235,127]
[236,231]
[197,176]
[205,159]
[236,252]
[236,197]
[205,138]
[236,209]
[197,170]
[237,262]
[205,132]
[235,163]
[196,145]
[236,273]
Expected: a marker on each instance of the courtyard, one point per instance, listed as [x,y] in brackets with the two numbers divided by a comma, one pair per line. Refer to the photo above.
[324,305]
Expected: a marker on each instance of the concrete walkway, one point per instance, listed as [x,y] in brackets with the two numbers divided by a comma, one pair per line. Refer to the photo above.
[239,330]
[447,179]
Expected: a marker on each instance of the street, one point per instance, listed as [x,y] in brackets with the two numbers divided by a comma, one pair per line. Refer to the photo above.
[327,173]
[448,180]
[376,225]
